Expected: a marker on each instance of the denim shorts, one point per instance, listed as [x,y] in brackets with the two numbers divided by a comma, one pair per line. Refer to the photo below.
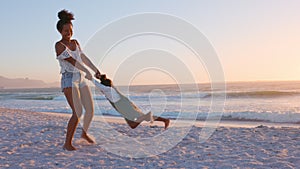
[70,79]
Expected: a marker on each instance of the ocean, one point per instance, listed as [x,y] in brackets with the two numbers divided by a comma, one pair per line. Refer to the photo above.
[276,102]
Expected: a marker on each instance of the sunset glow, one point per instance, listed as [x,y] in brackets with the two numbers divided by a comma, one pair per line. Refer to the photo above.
[254,40]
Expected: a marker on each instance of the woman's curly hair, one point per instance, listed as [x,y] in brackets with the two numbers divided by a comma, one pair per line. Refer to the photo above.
[64,18]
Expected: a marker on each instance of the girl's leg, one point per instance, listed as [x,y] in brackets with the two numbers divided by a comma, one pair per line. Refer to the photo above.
[72,96]
[166,121]
[88,104]
[132,124]
[146,117]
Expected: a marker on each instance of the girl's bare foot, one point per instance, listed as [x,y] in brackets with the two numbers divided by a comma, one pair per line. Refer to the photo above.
[87,138]
[167,122]
[69,147]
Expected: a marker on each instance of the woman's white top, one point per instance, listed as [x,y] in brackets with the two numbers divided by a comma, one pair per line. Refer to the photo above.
[66,66]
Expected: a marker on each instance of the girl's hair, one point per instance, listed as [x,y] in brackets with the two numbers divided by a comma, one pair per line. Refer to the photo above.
[64,18]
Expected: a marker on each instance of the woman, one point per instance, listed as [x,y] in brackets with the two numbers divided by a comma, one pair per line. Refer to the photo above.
[73,84]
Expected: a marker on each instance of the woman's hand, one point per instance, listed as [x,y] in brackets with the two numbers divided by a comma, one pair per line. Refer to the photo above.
[98,74]
[88,75]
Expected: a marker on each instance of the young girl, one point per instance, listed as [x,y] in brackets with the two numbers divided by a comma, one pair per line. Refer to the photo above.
[131,113]
[73,83]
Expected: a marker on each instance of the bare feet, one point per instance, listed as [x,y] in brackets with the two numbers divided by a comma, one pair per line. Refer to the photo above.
[167,122]
[87,138]
[69,147]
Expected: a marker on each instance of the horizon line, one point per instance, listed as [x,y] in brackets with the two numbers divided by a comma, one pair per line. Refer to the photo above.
[250,81]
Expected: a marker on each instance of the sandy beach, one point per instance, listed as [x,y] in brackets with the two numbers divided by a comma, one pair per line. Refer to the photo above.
[35,139]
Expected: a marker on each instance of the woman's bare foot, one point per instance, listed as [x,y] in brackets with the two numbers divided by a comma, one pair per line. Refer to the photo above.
[167,122]
[87,138]
[69,147]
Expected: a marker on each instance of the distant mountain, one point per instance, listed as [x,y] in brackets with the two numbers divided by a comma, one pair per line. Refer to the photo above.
[53,84]
[24,83]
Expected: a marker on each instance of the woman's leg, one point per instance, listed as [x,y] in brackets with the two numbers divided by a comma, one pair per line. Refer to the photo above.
[88,104]
[72,96]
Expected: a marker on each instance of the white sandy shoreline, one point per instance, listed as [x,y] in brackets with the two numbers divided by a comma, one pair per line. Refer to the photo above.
[200,123]
[34,140]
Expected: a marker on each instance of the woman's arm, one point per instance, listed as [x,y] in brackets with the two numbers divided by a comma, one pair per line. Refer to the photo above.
[88,62]
[78,65]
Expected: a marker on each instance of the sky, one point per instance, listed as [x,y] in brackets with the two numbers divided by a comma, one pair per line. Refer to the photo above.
[255,40]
